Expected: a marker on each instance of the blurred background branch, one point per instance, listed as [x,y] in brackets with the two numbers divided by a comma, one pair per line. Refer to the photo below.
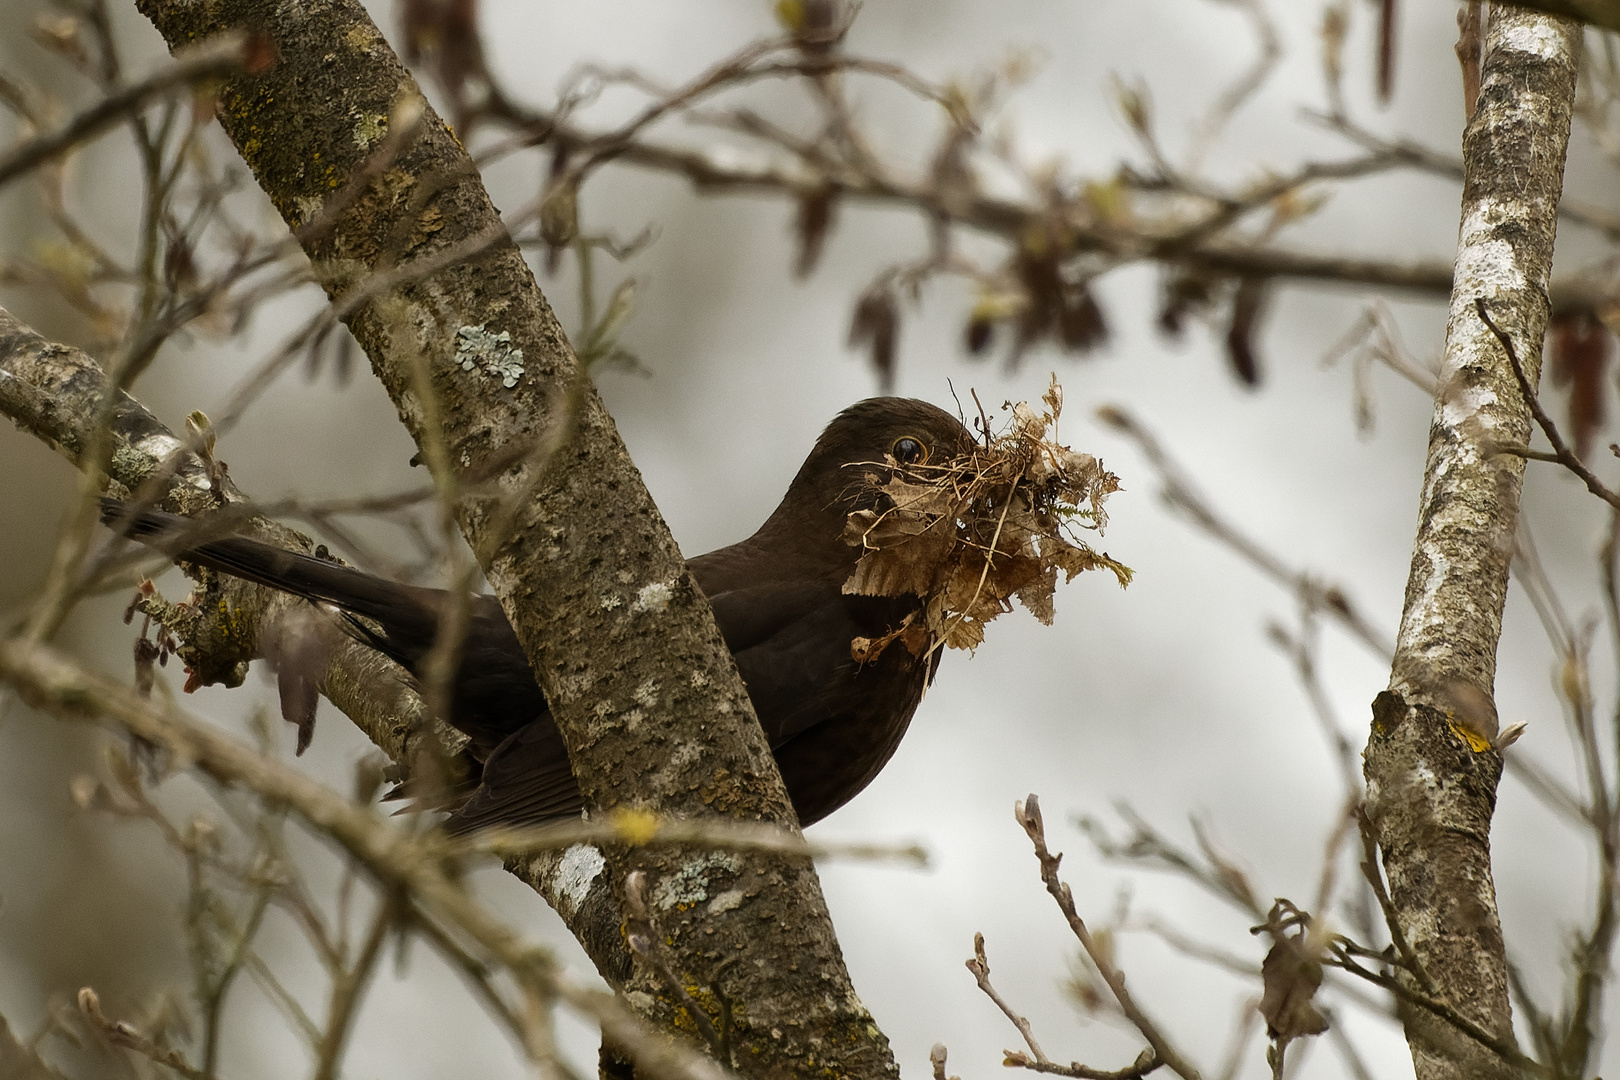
[1256,154]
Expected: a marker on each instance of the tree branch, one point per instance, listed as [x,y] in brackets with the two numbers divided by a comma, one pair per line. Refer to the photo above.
[553,541]
[1028,813]
[1431,764]
[1601,13]
[413,863]
[216,58]
[1561,454]
[53,391]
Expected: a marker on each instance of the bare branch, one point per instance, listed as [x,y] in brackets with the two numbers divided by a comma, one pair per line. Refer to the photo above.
[120,1033]
[979,965]
[50,682]
[1179,492]
[1601,13]
[348,989]
[1561,451]
[1437,718]
[1504,1049]
[1028,814]
[220,56]
[1145,1063]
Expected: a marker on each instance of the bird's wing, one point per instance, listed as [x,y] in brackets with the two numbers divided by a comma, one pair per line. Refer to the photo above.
[791,641]
[495,693]
[753,613]
[526,781]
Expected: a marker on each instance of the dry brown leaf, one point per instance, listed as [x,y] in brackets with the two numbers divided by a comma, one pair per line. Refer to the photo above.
[914,636]
[1291,974]
[972,534]
[1037,595]
[1580,361]
[963,633]
[1290,979]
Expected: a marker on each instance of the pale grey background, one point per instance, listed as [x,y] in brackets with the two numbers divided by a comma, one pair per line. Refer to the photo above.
[1166,695]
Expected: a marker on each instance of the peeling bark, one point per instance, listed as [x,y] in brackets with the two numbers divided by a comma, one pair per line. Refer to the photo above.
[1431,769]
[642,685]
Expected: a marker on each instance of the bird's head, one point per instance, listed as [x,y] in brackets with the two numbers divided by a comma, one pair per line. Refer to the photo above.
[863,440]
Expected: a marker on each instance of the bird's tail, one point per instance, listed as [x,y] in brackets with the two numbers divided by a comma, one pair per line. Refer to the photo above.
[408,614]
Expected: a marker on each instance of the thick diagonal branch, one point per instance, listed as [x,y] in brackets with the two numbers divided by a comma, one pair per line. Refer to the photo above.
[569,538]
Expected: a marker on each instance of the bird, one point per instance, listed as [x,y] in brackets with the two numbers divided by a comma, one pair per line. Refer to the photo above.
[832,721]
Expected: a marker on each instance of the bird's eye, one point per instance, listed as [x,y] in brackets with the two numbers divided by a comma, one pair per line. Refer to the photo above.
[908,451]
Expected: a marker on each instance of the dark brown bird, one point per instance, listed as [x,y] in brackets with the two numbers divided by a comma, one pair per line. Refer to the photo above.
[777,597]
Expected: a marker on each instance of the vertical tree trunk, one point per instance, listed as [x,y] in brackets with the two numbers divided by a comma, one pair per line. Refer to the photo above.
[1431,770]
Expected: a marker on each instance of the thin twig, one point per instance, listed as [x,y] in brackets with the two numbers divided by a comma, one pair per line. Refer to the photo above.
[1028,814]
[1180,492]
[120,1033]
[1248,1018]
[639,828]
[1503,1048]
[1369,867]
[1233,964]
[1347,1048]
[1230,100]
[1221,877]
[221,56]
[979,965]
[348,989]
[1566,457]
[1302,648]
[47,680]
[642,936]
[1145,1063]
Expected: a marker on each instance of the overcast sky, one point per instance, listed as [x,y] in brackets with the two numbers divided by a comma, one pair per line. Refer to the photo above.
[1167,695]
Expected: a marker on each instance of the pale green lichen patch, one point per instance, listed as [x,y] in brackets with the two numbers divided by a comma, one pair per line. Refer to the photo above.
[368,128]
[726,901]
[476,348]
[690,884]
[576,873]
[361,37]
[305,207]
[132,464]
[653,598]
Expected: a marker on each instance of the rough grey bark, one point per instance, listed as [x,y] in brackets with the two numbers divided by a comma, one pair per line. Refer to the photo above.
[644,690]
[1431,769]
